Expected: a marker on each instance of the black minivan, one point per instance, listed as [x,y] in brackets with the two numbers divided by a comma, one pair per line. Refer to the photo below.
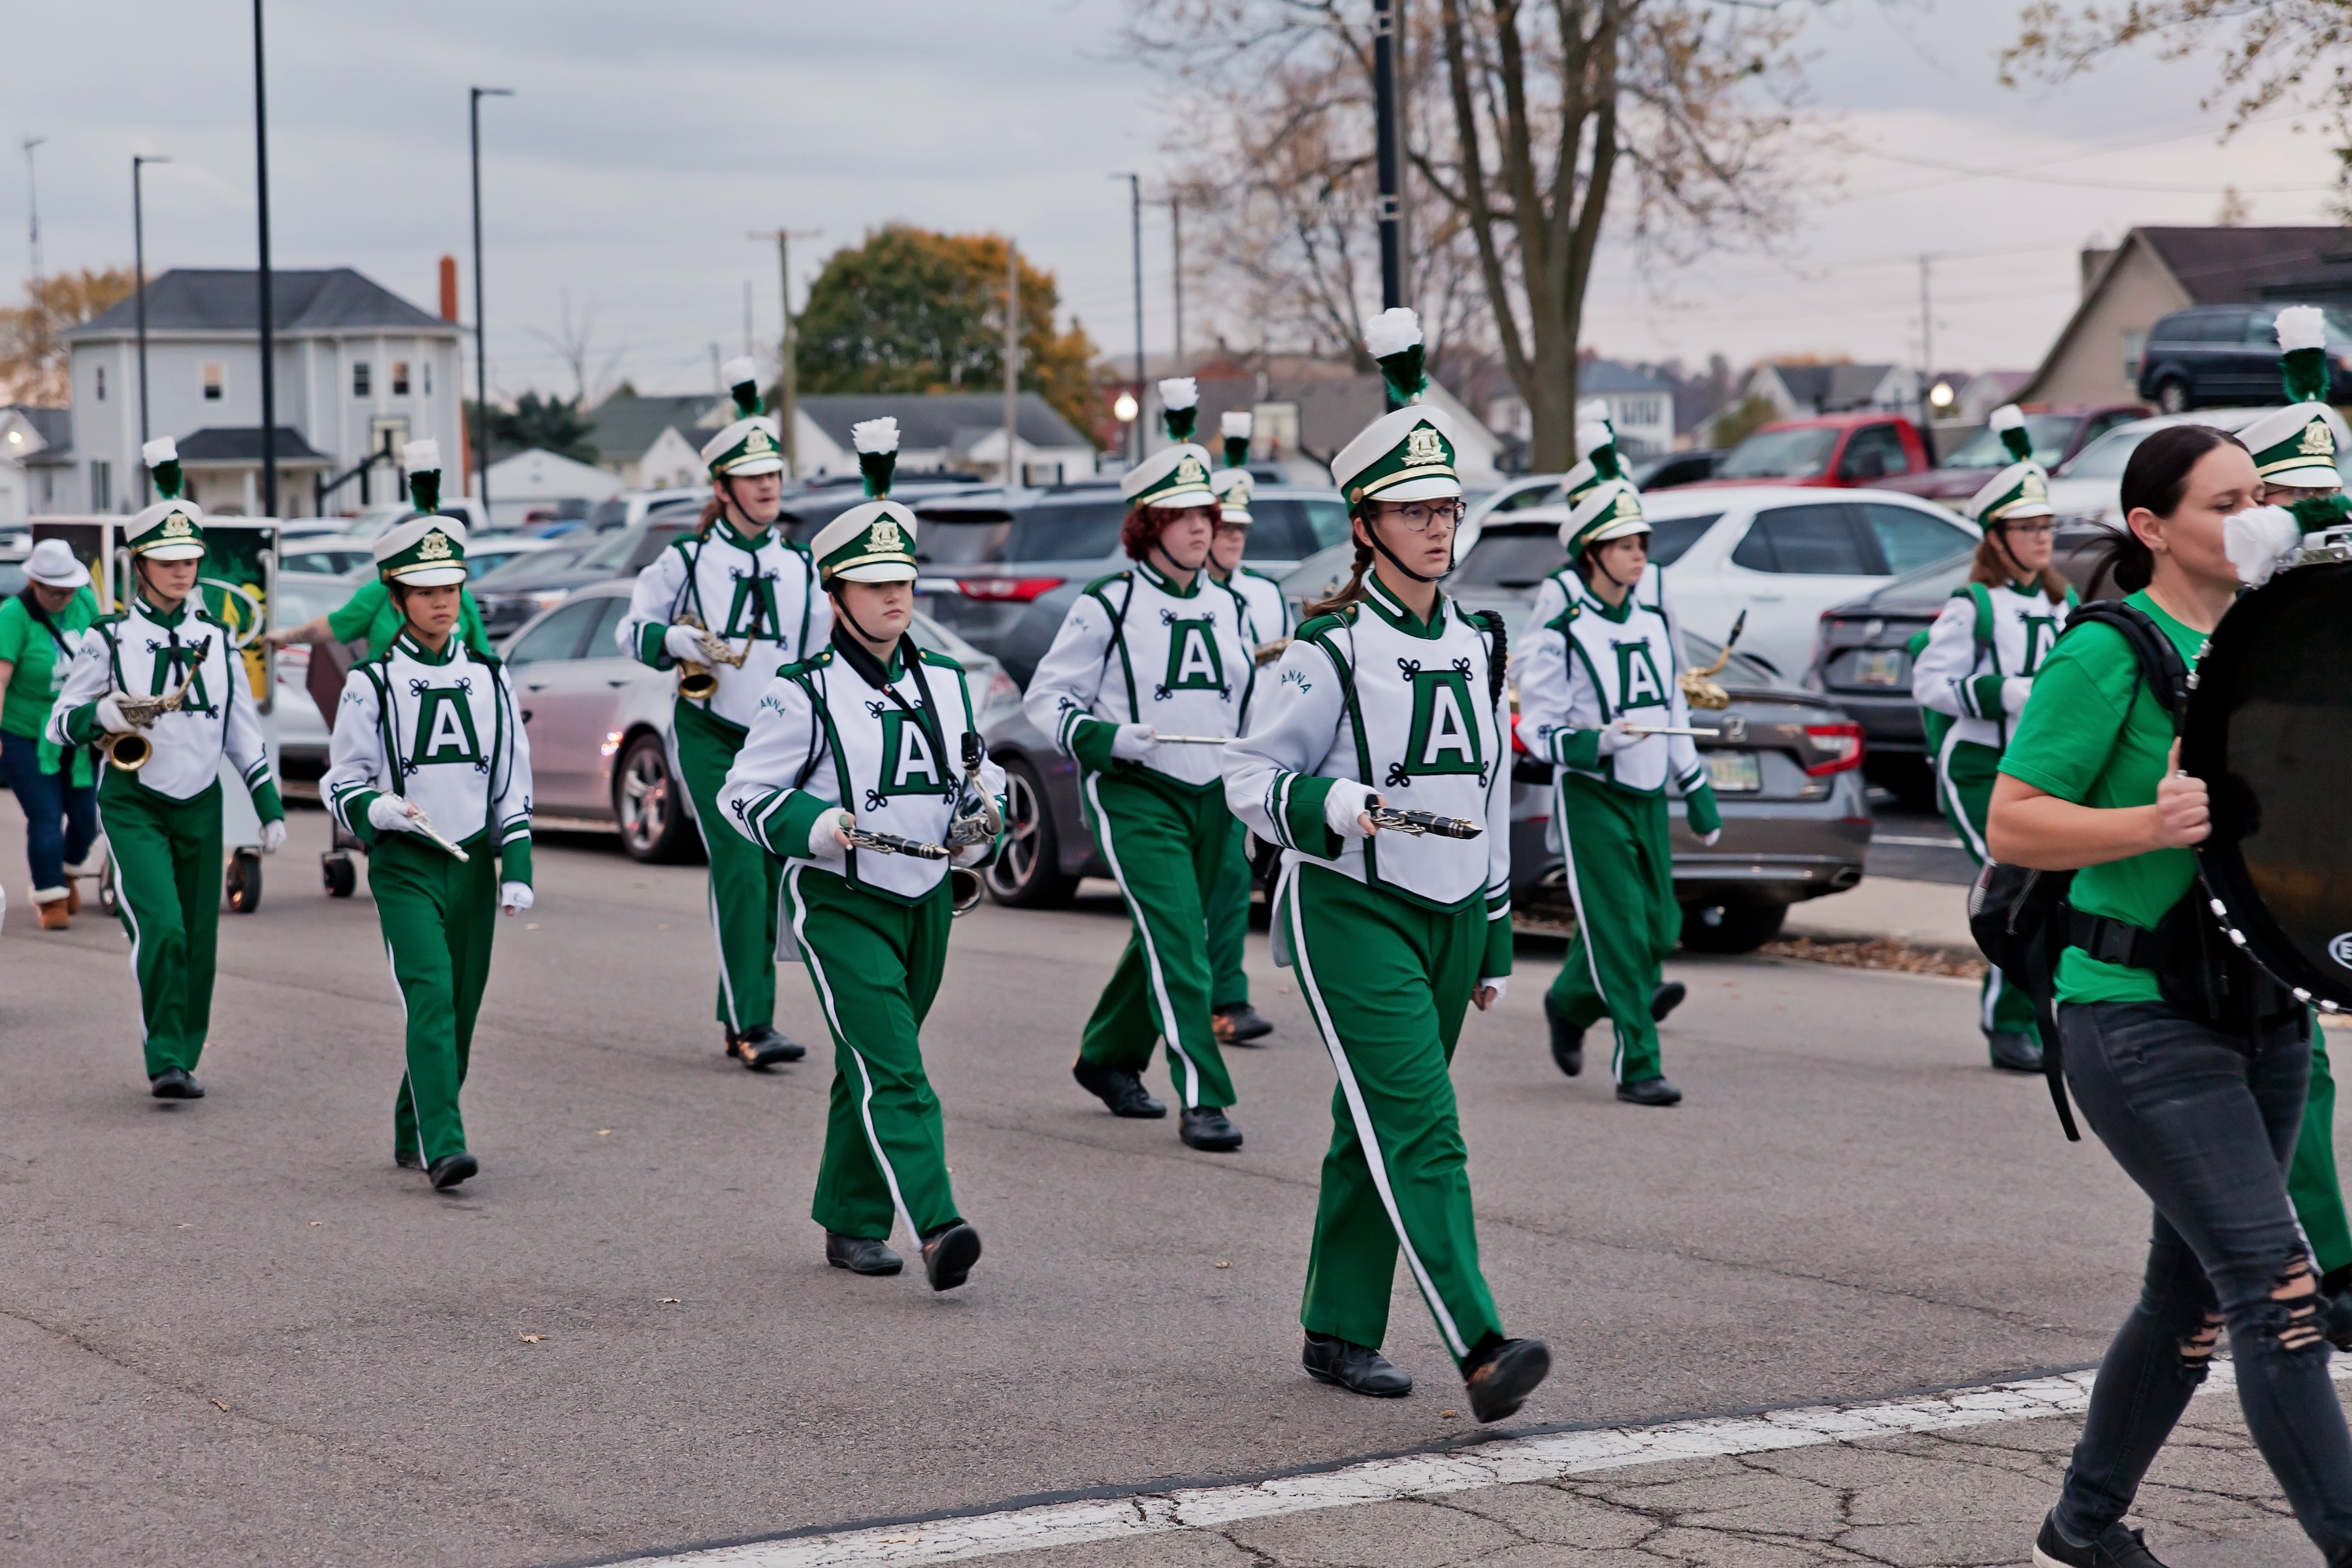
[2216,355]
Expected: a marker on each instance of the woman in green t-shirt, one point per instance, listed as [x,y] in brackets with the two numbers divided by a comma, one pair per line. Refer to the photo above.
[40,628]
[2204,1119]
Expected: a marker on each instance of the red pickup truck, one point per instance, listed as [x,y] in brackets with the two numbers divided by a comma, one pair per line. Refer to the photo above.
[1837,449]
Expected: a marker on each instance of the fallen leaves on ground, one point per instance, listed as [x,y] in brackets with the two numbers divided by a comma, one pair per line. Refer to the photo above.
[223,1407]
[1878,952]
[531,1339]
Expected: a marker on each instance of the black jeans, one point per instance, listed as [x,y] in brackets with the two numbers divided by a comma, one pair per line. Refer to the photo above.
[2206,1124]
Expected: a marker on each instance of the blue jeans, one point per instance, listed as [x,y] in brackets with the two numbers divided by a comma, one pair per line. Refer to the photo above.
[60,821]
[2206,1124]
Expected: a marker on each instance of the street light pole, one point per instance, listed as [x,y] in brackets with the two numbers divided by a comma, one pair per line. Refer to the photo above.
[1013,474]
[139,282]
[1176,269]
[788,382]
[1135,210]
[33,208]
[268,308]
[481,354]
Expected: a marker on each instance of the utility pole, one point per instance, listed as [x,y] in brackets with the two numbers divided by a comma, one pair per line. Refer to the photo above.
[139,282]
[1384,115]
[1135,211]
[1013,474]
[788,383]
[1176,269]
[33,209]
[268,307]
[481,354]
[1927,346]
[747,317]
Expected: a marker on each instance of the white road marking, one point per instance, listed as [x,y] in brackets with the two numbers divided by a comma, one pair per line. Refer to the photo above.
[1508,1461]
[1887,838]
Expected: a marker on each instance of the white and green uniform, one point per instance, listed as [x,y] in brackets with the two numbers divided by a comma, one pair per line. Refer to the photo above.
[841,731]
[759,596]
[441,731]
[1390,936]
[162,823]
[1583,666]
[1973,676]
[1136,648]
[1267,618]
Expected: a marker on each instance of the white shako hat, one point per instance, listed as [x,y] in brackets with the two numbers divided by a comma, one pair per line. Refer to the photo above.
[2295,446]
[751,444]
[1407,455]
[1236,428]
[1232,489]
[1176,476]
[2019,491]
[1602,504]
[174,528]
[875,541]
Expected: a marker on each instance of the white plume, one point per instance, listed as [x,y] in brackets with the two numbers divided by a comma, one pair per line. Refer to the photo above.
[1592,411]
[162,449]
[2302,327]
[1392,332]
[1235,426]
[1179,393]
[1591,437]
[2258,539]
[738,370]
[2008,416]
[420,456]
[876,435]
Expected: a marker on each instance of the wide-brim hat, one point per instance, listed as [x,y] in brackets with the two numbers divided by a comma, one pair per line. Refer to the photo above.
[744,449]
[426,551]
[870,543]
[2295,446]
[1407,455]
[168,530]
[1233,488]
[52,565]
[2018,493]
[1173,477]
[1609,510]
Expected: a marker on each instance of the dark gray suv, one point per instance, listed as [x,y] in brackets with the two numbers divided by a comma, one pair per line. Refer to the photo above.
[2215,354]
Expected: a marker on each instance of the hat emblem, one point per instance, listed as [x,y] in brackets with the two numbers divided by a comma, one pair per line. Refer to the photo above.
[2318,440]
[758,441]
[2034,488]
[1424,446]
[1189,472]
[887,536]
[433,546]
[1627,505]
[177,526]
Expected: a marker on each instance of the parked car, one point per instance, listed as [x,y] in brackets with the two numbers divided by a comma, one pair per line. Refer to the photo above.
[1667,470]
[2229,354]
[2057,434]
[1827,450]
[2087,492]
[599,721]
[629,507]
[1862,659]
[303,596]
[374,519]
[529,583]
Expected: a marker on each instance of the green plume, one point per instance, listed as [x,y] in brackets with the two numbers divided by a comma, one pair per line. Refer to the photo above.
[425,490]
[2314,513]
[1180,423]
[2304,372]
[877,469]
[169,480]
[1237,451]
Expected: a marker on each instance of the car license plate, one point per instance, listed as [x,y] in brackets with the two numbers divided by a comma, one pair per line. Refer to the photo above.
[1879,667]
[1730,770]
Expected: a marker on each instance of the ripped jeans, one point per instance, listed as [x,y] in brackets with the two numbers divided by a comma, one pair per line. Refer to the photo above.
[2206,1127]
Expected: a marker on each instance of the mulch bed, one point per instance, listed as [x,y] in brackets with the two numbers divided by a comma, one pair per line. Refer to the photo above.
[1878,952]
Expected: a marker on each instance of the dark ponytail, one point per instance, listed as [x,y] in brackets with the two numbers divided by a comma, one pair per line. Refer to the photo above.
[1352,590]
[2154,479]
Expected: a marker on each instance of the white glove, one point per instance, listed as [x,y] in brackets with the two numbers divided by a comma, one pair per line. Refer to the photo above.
[822,844]
[390,814]
[273,837]
[685,643]
[514,897]
[1348,801]
[2014,691]
[1499,985]
[971,855]
[1134,743]
[1617,736]
[1708,840]
[110,718]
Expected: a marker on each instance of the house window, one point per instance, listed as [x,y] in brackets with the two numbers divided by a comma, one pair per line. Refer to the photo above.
[102,391]
[216,378]
[400,378]
[359,378]
[102,483]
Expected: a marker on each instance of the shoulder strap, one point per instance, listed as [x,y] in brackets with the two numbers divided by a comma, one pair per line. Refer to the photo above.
[816,731]
[1498,649]
[2161,666]
[1982,597]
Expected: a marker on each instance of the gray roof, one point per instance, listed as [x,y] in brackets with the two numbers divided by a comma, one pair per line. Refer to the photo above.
[939,419]
[53,426]
[242,443]
[2225,266]
[1596,376]
[1831,388]
[624,427]
[189,298]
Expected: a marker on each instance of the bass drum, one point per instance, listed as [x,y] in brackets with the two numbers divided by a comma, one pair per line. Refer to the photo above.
[2270,731]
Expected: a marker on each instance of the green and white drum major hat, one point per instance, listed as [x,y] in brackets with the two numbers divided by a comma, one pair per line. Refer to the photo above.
[2019,491]
[1602,504]
[875,542]
[1232,489]
[2295,446]
[1174,476]
[750,445]
[1408,454]
[426,550]
[174,528]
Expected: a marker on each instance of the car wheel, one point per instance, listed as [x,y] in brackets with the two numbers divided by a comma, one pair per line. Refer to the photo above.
[647,806]
[1731,928]
[339,876]
[1027,874]
[243,882]
[2172,396]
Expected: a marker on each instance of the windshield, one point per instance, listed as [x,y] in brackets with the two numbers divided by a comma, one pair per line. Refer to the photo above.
[2048,432]
[529,562]
[2105,458]
[1520,556]
[1086,530]
[1780,455]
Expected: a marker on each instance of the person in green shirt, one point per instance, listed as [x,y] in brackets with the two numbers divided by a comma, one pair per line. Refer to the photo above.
[2204,1117]
[369,616]
[40,630]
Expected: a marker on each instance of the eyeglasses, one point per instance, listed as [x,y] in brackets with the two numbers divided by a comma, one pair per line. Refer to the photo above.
[1419,516]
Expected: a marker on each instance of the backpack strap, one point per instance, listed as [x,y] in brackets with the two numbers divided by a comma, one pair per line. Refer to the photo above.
[2161,667]
[1981,596]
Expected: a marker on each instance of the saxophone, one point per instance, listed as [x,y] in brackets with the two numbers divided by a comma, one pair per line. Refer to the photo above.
[132,751]
[699,682]
[1701,692]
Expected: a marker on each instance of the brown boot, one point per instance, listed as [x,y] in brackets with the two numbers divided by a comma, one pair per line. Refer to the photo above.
[73,897]
[53,915]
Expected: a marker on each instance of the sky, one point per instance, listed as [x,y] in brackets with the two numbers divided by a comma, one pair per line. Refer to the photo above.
[642,146]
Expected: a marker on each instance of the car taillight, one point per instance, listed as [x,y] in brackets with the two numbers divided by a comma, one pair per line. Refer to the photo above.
[1516,744]
[1012,590]
[1841,744]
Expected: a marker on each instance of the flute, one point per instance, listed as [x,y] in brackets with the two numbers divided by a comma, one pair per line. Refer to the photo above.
[1417,823]
[1671,729]
[424,830]
[1193,740]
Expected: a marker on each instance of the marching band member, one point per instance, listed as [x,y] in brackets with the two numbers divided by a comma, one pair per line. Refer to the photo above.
[41,628]
[1601,672]
[1391,697]
[430,769]
[371,617]
[1148,652]
[737,600]
[163,670]
[1976,672]
[863,738]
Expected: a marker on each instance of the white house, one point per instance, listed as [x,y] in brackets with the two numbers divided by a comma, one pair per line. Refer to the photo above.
[356,366]
[21,440]
[962,432]
[1641,408]
[537,479]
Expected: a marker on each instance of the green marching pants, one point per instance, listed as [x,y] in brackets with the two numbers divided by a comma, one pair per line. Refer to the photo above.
[745,879]
[438,915]
[2311,1181]
[1388,982]
[1965,772]
[167,885]
[1228,915]
[876,964]
[1621,874]
[1166,844]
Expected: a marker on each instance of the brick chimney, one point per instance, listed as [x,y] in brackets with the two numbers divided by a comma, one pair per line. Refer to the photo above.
[449,288]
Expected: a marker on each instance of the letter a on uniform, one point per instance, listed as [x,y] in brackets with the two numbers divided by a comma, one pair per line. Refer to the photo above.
[445,728]
[1444,737]
[1193,664]
[1638,685]
[908,765]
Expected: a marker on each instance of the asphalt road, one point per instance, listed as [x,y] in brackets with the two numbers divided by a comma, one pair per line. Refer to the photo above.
[235,1333]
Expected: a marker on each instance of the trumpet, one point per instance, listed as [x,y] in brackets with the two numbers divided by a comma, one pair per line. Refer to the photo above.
[1697,689]
[699,683]
[130,752]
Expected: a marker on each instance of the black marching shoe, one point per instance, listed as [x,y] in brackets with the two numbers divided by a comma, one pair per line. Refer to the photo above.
[1122,1092]
[1500,1377]
[949,1254]
[1666,999]
[2116,1548]
[451,1169]
[173,1083]
[2013,1052]
[1567,1039]
[760,1048]
[1239,1024]
[1204,1127]
[1359,1369]
[1650,1092]
[408,1159]
[861,1254]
